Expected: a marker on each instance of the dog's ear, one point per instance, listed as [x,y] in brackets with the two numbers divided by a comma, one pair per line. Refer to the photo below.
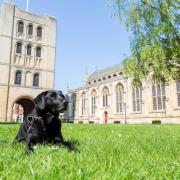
[40,101]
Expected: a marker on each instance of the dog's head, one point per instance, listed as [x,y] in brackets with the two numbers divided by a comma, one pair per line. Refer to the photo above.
[51,101]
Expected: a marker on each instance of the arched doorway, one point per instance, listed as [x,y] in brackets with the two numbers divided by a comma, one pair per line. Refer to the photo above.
[105,117]
[21,108]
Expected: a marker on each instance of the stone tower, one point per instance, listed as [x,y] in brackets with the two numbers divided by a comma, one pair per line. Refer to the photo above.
[27,58]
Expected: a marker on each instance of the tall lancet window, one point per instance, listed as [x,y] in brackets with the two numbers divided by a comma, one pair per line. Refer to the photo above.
[36,80]
[137,98]
[30,30]
[18,77]
[93,102]
[119,98]
[19,48]
[38,52]
[29,49]
[39,32]
[83,103]
[105,97]
[20,27]
[158,95]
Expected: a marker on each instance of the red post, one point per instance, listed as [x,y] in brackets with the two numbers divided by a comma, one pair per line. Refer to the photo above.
[106,117]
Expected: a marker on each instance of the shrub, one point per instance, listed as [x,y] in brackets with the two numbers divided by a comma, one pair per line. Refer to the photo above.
[156,122]
[117,122]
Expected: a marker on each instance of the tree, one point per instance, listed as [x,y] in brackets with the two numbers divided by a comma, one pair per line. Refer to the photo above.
[155,41]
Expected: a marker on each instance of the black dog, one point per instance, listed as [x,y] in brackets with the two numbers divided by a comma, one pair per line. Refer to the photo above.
[48,105]
[36,132]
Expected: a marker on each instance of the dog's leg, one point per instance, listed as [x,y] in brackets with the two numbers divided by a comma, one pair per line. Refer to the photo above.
[29,145]
[22,133]
[16,140]
[29,148]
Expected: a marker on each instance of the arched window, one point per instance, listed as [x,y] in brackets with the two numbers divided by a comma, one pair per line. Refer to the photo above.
[137,98]
[18,77]
[29,49]
[38,52]
[158,95]
[105,97]
[19,48]
[119,98]
[83,103]
[30,30]
[178,91]
[36,80]
[39,32]
[93,102]
[20,27]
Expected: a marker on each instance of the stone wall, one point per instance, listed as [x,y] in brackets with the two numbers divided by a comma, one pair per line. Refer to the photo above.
[170,114]
[11,61]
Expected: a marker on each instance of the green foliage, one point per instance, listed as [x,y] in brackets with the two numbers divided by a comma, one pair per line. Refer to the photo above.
[155,41]
[106,152]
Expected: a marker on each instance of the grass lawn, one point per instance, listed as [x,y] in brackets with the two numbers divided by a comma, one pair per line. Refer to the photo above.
[106,152]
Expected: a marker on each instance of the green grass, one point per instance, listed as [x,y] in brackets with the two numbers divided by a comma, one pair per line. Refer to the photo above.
[106,152]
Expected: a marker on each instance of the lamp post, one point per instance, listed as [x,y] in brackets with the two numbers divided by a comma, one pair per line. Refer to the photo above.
[125,113]
[125,103]
[165,99]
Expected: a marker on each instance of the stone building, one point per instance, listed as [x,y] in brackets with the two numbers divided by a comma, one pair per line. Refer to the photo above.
[110,97]
[27,58]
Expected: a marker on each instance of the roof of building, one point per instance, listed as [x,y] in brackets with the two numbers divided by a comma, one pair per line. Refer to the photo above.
[106,71]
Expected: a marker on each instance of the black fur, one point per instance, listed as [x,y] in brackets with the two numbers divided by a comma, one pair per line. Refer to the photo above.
[36,132]
[48,105]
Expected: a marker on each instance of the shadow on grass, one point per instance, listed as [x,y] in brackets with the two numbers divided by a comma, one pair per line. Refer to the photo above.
[45,145]
[74,143]
[5,143]
[2,142]
[8,123]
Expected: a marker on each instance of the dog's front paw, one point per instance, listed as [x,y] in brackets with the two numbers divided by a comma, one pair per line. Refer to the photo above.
[70,146]
[57,140]
[29,149]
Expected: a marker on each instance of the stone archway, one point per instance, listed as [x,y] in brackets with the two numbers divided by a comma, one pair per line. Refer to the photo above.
[21,107]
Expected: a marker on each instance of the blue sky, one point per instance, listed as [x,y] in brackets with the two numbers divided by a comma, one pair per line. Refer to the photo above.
[88,36]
